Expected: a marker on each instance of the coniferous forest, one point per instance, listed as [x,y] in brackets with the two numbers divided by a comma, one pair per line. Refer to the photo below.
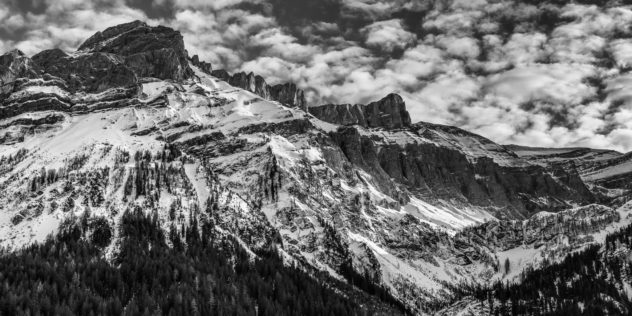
[199,273]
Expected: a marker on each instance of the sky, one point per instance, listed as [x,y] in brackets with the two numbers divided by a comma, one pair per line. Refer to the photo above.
[527,72]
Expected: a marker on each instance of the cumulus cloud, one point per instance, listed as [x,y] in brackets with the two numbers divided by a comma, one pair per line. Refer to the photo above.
[387,35]
[556,83]
[464,47]
[545,75]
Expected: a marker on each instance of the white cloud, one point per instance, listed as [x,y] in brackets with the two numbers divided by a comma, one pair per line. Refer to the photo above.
[464,47]
[558,83]
[387,35]
[465,71]
[622,51]
[524,48]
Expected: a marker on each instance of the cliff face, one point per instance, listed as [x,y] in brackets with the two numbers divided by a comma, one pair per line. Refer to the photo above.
[389,112]
[204,66]
[512,190]
[149,51]
[608,173]
[110,63]
[287,93]
[543,228]
[432,161]
[14,66]
[92,72]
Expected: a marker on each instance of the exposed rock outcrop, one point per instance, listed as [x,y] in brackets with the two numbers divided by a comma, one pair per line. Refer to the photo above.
[608,172]
[204,66]
[287,93]
[496,180]
[149,51]
[13,66]
[389,112]
[91,72]
[541,228]
[109,63]
[221,74]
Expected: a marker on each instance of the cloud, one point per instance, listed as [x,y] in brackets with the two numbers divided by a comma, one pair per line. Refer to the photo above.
[387,35]
[368,9]
[543,74]
[555,83]
[622,52]
[463,47]
[154,9]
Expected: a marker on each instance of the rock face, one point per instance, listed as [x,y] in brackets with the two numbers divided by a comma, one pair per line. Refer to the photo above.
[541,229]
[204,66]
[221,74]
[607,172]
[429,160]
[287,93]
[13,66]
[110,63]
[340,114]
[389,112]
[149,51]
[248,81]
[92,72]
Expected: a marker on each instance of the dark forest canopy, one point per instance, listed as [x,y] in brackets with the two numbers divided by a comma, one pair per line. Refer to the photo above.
[201,274]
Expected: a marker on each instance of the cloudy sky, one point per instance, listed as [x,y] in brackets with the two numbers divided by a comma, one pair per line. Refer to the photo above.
[536,74]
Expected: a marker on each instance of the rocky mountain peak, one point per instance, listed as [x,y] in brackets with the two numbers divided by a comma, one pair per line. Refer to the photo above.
[150,51]
[389,112]
[99,39]
[14,53]
[14,65]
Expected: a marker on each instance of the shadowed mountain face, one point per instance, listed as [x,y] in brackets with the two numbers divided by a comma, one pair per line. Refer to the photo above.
[403,211]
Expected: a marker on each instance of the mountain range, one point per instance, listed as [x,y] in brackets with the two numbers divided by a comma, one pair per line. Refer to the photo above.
[129,150]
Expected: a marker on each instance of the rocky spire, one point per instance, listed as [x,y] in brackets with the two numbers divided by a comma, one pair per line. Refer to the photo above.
[389,112]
